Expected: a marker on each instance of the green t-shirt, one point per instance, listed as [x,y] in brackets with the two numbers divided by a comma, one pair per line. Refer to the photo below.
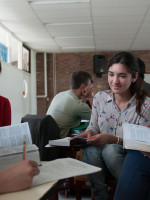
[68,111]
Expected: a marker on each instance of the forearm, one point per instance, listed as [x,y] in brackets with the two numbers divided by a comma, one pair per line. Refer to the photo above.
[115,140]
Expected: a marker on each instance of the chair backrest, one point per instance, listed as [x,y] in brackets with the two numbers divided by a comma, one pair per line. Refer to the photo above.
[43,128]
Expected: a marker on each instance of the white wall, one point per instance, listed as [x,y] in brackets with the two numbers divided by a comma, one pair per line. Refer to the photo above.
[11,86]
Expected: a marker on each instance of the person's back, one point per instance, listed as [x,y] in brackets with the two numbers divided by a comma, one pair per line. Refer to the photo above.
[67,108]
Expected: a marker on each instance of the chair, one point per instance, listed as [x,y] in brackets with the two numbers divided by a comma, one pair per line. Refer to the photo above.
[44,128]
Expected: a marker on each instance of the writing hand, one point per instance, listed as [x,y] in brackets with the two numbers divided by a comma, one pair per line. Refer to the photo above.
[22,173]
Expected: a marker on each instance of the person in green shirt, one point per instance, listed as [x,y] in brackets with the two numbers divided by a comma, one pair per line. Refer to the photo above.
[67,107]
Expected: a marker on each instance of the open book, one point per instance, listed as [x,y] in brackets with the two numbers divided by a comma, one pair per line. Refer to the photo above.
[11,145]
[136,137]
[68,141]
[12,155]
[13,135]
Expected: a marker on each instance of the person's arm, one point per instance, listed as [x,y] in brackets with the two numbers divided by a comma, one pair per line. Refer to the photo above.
[102,139]
[7,113]
[18,177]
[87,92]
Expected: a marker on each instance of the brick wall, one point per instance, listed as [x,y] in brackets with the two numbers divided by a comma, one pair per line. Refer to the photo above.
[66,63]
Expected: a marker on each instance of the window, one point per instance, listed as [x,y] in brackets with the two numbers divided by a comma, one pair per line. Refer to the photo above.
[14,52]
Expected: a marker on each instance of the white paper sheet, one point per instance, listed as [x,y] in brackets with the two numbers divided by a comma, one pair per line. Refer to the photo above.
[61,169]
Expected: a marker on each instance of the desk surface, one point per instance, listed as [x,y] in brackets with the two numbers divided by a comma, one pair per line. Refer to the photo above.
[33,193]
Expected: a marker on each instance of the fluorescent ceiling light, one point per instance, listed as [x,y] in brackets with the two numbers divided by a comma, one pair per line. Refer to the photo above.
[74,37]
[90,47]
[67,24]
[56,1]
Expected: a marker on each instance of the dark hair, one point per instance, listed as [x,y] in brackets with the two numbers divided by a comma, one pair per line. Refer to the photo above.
[142,67]
[78,78]
[131,62]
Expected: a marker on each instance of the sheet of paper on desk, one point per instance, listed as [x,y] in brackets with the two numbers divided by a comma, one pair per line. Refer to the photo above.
[61,169]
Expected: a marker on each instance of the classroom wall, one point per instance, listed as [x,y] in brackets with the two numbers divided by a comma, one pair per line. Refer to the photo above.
[11,86]
[59,69]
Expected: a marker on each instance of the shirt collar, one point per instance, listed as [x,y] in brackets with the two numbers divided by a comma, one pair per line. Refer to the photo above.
[132,101]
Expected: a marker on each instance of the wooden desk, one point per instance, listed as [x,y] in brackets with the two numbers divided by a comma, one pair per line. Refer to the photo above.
[35,193]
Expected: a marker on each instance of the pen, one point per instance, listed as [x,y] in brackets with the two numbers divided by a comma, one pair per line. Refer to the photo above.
[24,147]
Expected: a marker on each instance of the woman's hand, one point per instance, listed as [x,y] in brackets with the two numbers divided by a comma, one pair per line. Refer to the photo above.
[102,139]
[85,134]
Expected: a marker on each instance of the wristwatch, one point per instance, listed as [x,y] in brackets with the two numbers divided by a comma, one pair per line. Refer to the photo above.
[120,140]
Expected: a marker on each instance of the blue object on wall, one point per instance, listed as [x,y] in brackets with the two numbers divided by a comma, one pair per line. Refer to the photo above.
[4,52]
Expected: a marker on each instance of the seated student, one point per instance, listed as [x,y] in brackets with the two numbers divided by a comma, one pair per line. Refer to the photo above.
[67,107]
[134,181]
[5,110]
[124,102]
[18,177]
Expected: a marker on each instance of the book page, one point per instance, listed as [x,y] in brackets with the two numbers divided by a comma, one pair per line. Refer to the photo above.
[13,135]
[17,149]
[136,132]
[61,169]
[60,142]
[10,160]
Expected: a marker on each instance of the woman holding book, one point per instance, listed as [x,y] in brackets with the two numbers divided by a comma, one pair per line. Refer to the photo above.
[125,102]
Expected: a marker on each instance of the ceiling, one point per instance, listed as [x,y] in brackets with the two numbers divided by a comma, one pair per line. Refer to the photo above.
[93,25]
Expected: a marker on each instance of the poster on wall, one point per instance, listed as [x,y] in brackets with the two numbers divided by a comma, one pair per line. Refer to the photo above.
[3,52]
